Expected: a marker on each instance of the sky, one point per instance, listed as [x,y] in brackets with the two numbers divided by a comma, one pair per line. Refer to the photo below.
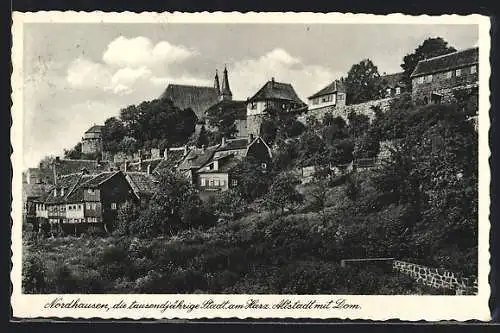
[77,75]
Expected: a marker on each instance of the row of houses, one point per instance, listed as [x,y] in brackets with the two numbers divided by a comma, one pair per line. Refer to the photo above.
[72,200]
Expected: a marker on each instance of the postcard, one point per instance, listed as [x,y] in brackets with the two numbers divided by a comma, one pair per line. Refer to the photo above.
[250,165]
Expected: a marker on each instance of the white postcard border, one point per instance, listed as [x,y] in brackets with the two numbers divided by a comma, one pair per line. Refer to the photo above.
[411,308]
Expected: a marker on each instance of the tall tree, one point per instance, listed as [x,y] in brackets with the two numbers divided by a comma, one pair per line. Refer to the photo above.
[431,47]
[362,82]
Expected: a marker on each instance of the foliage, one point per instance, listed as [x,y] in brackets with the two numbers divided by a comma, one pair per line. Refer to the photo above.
[127,214]
[367,146]
[362,82]
[252,180]
[228,205]
[34,274]
[202,139]
[74,153]
[358,124]
[282,193]
[173,207]
[431,47]
[152,124]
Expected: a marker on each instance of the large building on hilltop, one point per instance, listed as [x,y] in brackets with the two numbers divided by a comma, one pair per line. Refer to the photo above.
[199,98]
[92,140]
[272,97]
[435,80]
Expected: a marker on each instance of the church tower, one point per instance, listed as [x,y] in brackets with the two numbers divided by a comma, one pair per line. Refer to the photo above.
[225,94]
[216,83]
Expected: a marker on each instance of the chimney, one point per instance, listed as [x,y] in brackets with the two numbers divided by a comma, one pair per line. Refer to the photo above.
[185,150]
[272,82]
[148,169]
[125,164]
[54,171]
[223,140]
[165,154]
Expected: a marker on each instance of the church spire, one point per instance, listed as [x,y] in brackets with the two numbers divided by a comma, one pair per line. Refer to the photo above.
[216,83]
[226,93]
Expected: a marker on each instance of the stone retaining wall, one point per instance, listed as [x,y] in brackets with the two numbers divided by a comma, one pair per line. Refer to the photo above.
[436,278]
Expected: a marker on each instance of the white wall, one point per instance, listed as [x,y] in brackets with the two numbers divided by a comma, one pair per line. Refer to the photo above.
[75,213]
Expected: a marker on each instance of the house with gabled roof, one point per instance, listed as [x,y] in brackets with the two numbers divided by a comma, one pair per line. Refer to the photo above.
[80,200]
[216,173]
[273,97]
[331,96]
[435,80]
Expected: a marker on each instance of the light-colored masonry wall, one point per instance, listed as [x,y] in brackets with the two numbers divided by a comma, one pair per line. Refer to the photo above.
[436,278]
[344,110]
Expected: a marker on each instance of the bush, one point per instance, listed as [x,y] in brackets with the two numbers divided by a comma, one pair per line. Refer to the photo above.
[34,274]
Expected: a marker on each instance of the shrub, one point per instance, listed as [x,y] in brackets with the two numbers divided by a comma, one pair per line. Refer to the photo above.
[34,274]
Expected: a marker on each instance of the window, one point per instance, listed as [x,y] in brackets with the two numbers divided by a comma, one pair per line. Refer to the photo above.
[263,165]
[473,69]
[315,101]
[234,182]
[216,182]
[458,72]
[94,205]
[211,182]
[388,91]
[79,207]
[420,80]
[113,205]
[398,90]
[428,78]
[203,182]
[449,74]
[222,182]
[88,205]
[340,97]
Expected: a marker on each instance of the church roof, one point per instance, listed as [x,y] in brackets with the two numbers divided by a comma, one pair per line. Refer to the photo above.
[447,62]
[195,97]
[276,90]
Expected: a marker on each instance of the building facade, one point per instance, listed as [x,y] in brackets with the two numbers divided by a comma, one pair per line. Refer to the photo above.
[331,97]
[436,80]
[92,141]
[273,97]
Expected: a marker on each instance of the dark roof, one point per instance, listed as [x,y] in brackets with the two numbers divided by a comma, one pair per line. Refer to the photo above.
[95,129]
[226,163]
[142,182]
[238,107]
[35,190]
[173,158]
[392,80]
[67,166]
[197,157]
[232,144]
[197,98]
[69,183]
[446,62]
[335,86]
[276,90]
[97,180]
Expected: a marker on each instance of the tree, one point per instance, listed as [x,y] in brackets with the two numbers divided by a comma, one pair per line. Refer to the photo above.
[282,193]
[128,145]
[253,181]
[127,214]
[202,139]
[367,146]
[74,153]
[431,47]
[358,124]
[113,133]
[229,205]
[173,207]
[362,82]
